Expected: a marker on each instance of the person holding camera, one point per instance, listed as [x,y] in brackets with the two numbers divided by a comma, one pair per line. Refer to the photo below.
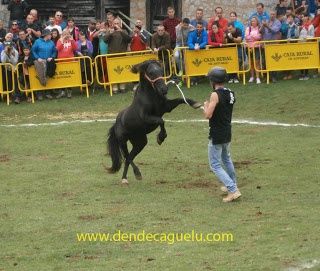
[9,55]
[118,41]
[66,48]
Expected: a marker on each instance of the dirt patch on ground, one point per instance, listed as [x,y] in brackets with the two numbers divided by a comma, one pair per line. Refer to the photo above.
[4,158]
[247,163]
[197,184]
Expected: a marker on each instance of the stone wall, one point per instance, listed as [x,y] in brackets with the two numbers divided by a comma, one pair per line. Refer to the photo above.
[243,8]
[4,13]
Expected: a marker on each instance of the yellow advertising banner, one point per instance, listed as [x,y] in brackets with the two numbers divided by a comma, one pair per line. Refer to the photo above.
[292,56]
[199,62]
[67,74]
[119,67]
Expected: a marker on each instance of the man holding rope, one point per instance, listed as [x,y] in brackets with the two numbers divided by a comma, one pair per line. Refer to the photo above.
[219,112]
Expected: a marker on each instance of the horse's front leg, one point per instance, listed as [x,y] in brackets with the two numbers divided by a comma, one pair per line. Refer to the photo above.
[153,120]
[172,104]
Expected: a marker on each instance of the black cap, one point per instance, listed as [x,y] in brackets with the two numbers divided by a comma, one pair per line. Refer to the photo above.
[217,75]
[45,32]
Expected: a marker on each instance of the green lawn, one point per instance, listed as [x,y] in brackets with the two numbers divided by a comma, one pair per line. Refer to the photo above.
[54,185]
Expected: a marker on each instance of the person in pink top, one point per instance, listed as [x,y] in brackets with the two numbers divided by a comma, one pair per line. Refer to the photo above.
[252,35]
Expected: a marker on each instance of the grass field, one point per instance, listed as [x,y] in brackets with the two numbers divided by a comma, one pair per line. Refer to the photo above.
[54,185]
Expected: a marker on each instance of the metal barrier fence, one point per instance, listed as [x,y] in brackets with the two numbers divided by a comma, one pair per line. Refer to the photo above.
[116,68]
[7,80]
[287,55]
[70,72]
[232,57]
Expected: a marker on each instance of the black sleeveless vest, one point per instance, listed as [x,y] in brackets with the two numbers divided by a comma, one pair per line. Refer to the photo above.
[220,122]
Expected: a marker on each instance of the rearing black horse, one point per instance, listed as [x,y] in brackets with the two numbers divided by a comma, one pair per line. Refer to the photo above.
[142,117]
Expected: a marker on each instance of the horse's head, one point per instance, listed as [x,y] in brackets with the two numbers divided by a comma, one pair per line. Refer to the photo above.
[152,72]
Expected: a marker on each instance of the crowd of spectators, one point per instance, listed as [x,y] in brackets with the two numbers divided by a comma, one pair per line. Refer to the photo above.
[27,40]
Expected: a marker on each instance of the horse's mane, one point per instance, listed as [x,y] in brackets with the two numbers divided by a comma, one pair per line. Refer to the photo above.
[141,67]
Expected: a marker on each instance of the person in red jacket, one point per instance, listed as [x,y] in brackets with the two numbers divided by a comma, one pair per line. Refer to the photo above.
[66,47]
[216,35]
[223,22]
[138,41]
[316,23]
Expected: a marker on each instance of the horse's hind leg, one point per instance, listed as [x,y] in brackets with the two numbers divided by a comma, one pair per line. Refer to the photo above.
[124,148]
[137,146]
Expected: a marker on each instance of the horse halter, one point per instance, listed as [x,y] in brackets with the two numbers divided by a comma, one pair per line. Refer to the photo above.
[152,81]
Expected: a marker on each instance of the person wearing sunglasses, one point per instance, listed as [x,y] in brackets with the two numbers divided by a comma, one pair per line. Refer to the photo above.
[58,20]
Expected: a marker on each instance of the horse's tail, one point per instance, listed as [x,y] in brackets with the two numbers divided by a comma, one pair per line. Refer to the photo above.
[114,151]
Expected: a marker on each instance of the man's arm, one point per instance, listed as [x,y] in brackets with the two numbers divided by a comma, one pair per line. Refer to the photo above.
[208,107]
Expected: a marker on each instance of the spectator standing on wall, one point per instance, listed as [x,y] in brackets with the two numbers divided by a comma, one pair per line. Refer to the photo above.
[170,24]
[3,31]
[199,18]
[18,10]
[260,13]
[72,28]
[218,17]
[237,24]
[58,20]
[51,25]
[281,8]
[31,29]
[36,21]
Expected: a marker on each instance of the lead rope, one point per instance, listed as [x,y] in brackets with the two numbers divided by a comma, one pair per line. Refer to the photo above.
[184,98]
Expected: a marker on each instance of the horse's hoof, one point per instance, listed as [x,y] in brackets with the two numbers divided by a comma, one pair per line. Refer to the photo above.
[159,141]
[161,138]
[196,105]
[124,181]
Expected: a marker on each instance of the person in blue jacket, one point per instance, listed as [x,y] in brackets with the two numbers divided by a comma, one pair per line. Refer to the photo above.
[43,51]
[198,39]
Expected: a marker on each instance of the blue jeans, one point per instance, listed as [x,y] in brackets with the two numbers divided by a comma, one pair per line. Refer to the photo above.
[220,155]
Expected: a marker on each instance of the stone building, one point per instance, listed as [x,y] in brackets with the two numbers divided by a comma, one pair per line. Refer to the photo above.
[152,12]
